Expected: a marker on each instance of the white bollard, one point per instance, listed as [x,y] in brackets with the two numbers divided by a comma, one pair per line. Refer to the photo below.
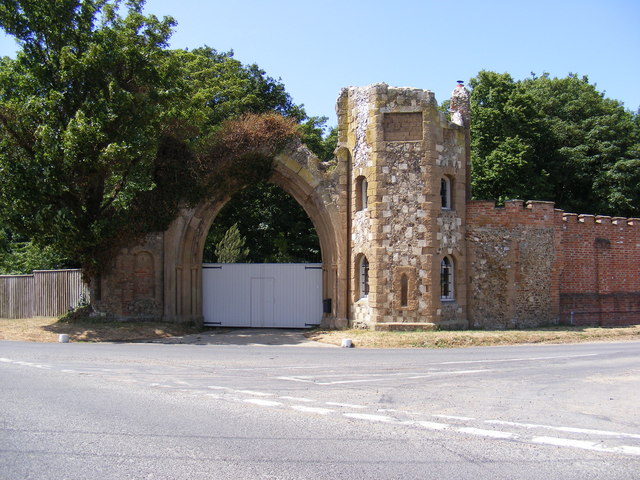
[63,338]
[347,343]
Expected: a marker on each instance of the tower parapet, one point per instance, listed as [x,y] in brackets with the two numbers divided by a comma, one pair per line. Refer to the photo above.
[407,181]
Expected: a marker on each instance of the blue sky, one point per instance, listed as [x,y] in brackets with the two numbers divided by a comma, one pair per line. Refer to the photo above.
[318,47]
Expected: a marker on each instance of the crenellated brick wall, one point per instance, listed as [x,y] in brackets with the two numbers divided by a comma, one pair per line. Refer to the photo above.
[600,270]
[395,205]
[530,264]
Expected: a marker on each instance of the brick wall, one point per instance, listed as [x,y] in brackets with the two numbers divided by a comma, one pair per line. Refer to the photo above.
[535,265]
[600,271]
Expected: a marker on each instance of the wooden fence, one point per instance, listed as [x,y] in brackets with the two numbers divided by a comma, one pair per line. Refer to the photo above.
[45,293]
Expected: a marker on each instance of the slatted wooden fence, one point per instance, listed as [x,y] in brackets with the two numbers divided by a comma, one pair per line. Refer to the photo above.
[45,293]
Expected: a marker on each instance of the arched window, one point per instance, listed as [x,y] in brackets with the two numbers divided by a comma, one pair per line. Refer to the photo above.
[445,193]
[363,277]
[446,279]
[361,193]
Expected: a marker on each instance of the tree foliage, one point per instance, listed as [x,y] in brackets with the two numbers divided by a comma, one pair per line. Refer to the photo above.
[19,256]
[276,227]
[554,139]
[105,133]
[231,248]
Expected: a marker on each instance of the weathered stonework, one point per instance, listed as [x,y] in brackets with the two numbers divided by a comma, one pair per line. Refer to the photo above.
[402,245]
[510,272]
[403,148]
[133,289]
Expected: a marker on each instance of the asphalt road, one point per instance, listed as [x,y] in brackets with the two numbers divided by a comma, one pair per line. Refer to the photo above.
[149,411]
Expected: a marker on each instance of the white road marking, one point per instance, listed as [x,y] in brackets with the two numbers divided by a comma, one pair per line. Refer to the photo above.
[319,410]
[346,405]
[629,450]
[367,416]
[297,399]
[585,445]
[486,433]
[262,403]
[375,377]
[496,434]
[453,417]
[434,425]
[587,431]
[523,359]
[295,379]
[567,442]
[339,382]
[257,394]
[454,372]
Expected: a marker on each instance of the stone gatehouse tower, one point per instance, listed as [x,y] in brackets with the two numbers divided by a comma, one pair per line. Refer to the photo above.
[407,189]
[403,246]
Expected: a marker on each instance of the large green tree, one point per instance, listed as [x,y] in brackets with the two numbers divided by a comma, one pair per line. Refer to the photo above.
[82,109]
[104,132]
[557,139]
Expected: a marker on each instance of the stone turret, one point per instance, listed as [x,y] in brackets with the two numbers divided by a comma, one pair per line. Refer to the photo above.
[406,209]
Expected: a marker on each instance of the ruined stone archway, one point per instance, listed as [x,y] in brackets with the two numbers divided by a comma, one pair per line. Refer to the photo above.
[317,190]
[382,199]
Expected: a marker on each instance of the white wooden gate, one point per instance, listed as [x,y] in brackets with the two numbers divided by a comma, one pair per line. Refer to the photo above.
[270,295]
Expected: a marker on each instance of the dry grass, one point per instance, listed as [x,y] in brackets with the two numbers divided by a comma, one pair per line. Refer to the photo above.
[42,329]
[475,338]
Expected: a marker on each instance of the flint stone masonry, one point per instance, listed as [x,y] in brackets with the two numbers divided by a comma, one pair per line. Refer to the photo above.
[511,271]
[521,265]
[402,129]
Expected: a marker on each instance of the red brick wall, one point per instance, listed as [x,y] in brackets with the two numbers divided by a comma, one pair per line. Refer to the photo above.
[594,266]
[601,270]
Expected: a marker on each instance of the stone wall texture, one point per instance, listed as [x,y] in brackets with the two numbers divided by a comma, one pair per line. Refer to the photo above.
[532,265]
[398,195]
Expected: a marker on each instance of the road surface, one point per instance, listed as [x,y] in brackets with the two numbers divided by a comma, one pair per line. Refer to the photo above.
[150,411]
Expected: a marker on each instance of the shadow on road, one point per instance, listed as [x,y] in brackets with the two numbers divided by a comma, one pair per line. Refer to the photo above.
[245,336]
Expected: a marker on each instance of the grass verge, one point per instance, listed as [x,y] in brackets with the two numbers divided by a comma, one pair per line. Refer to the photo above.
[475,338]
[44,329]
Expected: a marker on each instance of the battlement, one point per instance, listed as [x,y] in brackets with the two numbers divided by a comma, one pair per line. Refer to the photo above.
[539,212]
[604,220]
[514,212]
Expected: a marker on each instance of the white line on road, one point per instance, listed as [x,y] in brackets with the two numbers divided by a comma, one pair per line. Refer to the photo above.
[434,425]
[453,417]
[254,393]
[306,409]
[296,399]
[370,417]
[346,405]
[566,429]
[524,359]
[584,445]
[487,433]
[454,372]
[376,377]
[262,403]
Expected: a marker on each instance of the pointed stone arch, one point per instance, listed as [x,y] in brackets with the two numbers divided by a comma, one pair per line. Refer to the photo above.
[298,172]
